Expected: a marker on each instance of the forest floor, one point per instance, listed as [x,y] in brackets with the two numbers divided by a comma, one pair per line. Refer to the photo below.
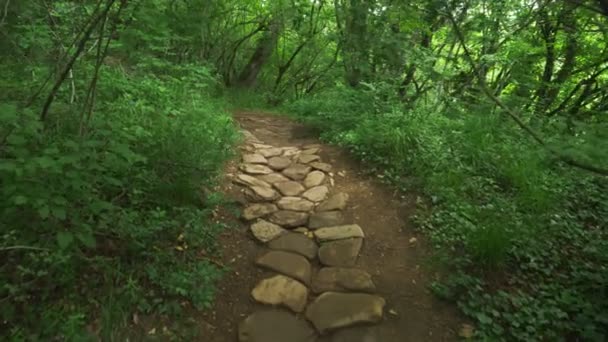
[392,253]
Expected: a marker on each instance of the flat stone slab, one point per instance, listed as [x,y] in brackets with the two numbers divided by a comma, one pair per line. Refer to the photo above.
[316,194]
[275,326]
[295,204]
[341,253]
[307,158]
[289,264]
[296,243]
[266,231]
[289,218]
[325,219]
[313,150]
[334,202]
[339,279]
[248,180]
[256,169]
[297,171]
[261,146]
[333,310]
[290,151]
[261,194]
[289,188]
[357,334]
[258,210]
[279,163]
[281,290]
[339,232]
[314,178]
[270,152]
[254,158]
[320,166]
[273,178]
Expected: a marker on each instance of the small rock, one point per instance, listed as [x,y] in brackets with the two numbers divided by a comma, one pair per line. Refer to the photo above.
[466,331]
[316,194]
[341,253]
[270,152]
[301,230]
[321,166]
[342,173]
[289,188]
[288,218]
[265,231]
[261,194]
[297,171]
[256,169]
[313,150]
[273,178]
[289,264]
[281,290]
[261,146]
[413,240]
[314,178]
[290,151]
[248,180]
[393,312]
[279,163]
[325,219]
[258,210]
[296,243]
[339,232]
[308,158]
[334,202]
[254,158]
[338,279]
[275,325]
[295,204]
[333,310]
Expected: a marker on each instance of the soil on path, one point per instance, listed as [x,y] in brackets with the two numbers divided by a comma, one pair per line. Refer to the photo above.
[389,254]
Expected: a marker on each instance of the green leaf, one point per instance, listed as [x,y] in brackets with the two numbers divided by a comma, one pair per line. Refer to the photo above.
[59,212]
[64,239]
[87,239]
[44,212]
[20,200]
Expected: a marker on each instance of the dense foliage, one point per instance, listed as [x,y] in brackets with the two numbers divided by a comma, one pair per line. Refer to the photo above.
[106,198]
[493,111]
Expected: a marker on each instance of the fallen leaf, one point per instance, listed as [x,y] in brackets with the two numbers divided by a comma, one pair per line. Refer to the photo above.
[466,331]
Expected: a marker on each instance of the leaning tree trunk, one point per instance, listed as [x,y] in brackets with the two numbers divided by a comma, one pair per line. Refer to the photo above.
[248,76]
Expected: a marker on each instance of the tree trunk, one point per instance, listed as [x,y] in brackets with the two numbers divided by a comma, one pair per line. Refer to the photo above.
[248,76]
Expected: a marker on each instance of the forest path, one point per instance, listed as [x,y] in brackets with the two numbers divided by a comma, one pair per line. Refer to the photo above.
[377,280]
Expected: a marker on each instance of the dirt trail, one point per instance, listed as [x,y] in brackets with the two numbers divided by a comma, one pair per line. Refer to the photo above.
[395,263]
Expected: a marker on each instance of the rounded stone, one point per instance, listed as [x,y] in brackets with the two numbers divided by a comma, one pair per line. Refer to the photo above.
[265,231]
[279,163]
[316,194]
[258,210]
[288,218]
[295,204]
[256,169]
[308,158]
[339,232]
[281,290]
[248,180]
[273,178]
[254,158]
[270,152]
[333,310]
[325,219]
[289,264]
[334,202]
[295,243]
[342,253]
[275,325]
[297,171]
[339,279]
[314,178]
[289,188]
[261,194]
[320,166]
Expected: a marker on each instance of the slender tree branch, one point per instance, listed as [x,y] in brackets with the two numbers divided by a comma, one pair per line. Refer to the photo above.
[513,115]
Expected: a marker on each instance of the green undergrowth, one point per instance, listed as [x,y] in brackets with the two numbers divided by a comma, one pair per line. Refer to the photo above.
[523,236]
[116,218]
